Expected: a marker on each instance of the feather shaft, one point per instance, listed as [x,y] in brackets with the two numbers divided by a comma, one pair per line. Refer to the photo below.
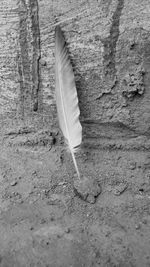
[75,164]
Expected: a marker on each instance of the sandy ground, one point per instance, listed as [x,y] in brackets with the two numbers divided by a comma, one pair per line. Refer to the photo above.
[44,223]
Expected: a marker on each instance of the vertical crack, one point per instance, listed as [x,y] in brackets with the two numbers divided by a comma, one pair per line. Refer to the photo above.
[28,55]
[110,42]
[23,56]
[33,5]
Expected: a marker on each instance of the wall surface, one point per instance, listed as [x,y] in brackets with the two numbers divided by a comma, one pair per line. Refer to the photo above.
[109,44]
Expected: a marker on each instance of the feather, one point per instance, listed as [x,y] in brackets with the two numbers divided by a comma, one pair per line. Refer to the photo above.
[66,97]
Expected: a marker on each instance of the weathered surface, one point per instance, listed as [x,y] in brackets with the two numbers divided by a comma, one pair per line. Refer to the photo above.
[109,48]
[42,221]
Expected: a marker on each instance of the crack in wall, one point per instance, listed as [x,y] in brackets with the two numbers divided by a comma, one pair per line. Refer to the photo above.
[23,55]
[36,52]
[29,55]
[110,42]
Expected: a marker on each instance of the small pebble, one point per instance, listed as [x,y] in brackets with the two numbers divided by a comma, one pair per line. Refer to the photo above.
[91,199]
[13,183]
[43,62]
[67,230]
[144,221]
[119,189]
[137,226]
[62,183]
[20,201]
[43,221]
[109,188]
[132,165]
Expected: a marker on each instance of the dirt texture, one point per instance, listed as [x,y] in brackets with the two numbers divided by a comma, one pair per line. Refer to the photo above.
[46,217]
[45,222]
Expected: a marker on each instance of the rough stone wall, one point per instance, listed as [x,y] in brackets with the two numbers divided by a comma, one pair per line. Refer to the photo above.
[109,44]
[9,86]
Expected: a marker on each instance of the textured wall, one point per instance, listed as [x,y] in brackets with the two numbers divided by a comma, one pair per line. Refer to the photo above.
[109,44]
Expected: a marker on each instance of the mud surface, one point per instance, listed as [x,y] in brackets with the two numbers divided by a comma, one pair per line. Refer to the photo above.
[44,223]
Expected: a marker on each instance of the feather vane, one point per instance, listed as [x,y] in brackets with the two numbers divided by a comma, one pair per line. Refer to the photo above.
[66,96]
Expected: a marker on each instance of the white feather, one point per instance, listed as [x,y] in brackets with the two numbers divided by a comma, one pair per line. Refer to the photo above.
[66,96]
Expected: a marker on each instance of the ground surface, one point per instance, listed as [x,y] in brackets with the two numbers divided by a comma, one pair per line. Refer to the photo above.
[44,223]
